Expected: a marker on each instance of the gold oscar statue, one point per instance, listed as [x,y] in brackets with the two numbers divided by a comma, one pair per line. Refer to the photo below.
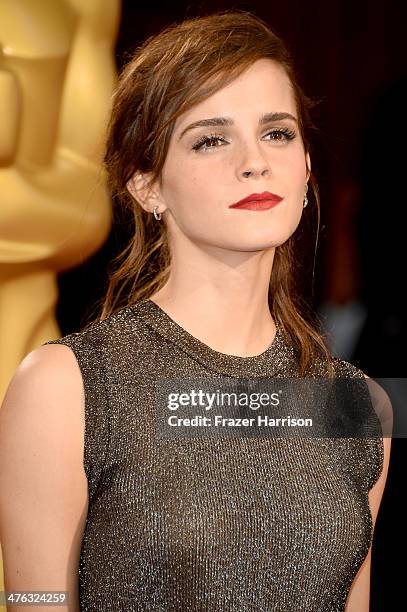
[57,74]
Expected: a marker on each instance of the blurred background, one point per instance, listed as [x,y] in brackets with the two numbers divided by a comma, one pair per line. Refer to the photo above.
[352,55]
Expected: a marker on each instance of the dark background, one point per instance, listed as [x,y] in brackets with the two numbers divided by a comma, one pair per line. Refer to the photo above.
[353,56]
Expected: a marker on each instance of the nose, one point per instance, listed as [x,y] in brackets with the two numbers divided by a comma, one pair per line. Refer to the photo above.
[254,164]
[248,173]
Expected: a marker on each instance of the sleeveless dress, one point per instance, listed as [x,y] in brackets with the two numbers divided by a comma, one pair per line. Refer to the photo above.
[237,524]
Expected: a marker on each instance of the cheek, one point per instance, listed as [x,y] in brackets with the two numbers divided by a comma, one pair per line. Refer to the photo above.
[192,189]
[299,168]
[192,202]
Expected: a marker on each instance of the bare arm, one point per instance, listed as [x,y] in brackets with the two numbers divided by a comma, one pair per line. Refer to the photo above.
[359,596]
[43,485]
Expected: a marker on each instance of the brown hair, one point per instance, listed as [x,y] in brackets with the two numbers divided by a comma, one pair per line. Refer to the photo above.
[168,74]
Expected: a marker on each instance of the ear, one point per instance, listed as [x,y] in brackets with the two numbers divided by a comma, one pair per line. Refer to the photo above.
[308,162]
[148,197]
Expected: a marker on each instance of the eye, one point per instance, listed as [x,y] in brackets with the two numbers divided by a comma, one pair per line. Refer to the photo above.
[203,142]
[286,132]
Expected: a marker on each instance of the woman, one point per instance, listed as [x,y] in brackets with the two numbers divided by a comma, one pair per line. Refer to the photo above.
[207,113]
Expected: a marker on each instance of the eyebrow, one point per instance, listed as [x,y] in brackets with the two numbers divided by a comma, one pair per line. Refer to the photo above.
[220,121]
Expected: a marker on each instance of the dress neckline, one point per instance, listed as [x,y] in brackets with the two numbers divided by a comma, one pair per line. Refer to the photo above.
[275,357]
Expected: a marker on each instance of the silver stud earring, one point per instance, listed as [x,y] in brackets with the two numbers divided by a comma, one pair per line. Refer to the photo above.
[157,215]
[305,197]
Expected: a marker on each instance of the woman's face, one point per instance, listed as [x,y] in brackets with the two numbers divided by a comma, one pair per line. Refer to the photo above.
[210,167]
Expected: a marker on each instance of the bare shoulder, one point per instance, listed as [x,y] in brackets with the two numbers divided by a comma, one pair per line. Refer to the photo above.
[43,484]
[51,357]
[47,382]
[46,385]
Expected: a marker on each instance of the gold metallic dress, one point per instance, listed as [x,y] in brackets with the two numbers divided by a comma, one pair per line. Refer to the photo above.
[238,524]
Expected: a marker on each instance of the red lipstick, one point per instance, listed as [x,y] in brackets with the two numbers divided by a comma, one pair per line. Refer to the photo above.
[258,201]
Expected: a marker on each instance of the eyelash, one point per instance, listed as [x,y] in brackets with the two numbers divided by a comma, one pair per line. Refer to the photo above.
[198,146]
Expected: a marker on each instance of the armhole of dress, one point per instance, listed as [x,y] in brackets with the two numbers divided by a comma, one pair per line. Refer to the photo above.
[97,426]
[374,446]
[376,449]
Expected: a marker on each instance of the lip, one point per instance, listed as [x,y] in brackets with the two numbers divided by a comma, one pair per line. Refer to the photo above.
[258,201]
